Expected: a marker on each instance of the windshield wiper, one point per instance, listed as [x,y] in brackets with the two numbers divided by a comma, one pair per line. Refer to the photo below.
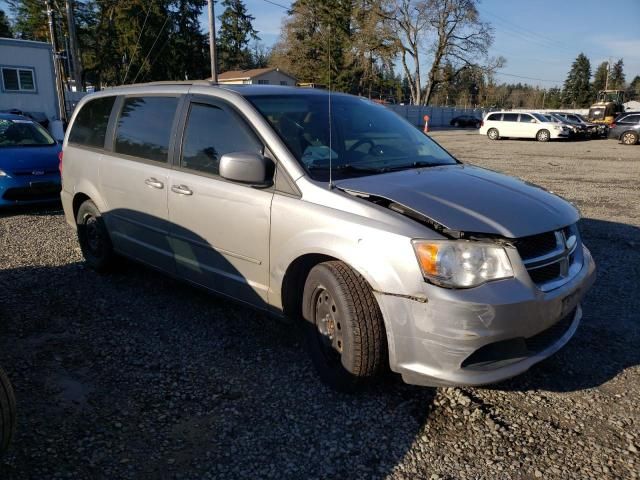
[409,166]
[348,168]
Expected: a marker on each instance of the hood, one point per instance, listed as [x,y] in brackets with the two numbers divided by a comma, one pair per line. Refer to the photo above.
[470,199]
[22,159]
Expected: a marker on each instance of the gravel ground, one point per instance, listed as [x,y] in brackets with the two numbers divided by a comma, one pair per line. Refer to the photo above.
[133,375]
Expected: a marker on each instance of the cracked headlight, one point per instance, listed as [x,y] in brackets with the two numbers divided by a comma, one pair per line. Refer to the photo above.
[460,263]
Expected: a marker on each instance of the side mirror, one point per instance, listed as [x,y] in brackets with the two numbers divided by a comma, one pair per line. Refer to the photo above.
[245,167]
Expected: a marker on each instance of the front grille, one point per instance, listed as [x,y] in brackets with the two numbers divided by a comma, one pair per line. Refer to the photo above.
[551,258]
[25,173]
[39,192]
[504,352]
[535,245]
[545,274]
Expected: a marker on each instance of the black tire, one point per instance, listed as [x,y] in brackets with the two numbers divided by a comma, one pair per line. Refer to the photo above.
[94,238]
[456,124]
[344,326]
[629,138]
[543,135]
[7,412]
[493,134]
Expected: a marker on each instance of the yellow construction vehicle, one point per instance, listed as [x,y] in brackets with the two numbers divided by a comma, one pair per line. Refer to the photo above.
[609,104]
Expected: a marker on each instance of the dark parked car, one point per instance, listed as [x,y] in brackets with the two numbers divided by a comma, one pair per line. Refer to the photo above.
[593,129]
[465,121]
[7,412]
[626,128]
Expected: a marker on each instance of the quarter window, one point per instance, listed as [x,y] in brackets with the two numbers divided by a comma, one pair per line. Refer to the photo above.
[144,127]
[90,125]
[18,79]
[211,132]
[494,117]
[631,119]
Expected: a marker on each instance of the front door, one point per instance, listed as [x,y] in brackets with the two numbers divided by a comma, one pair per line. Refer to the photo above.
[219,229]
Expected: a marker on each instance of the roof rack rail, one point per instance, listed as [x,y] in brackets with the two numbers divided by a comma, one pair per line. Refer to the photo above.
[176,82]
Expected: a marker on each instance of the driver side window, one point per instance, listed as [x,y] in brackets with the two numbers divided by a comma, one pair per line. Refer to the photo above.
[211,132]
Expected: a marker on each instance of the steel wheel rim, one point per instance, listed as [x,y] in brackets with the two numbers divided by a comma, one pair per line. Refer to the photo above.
[93,235]
[328,322]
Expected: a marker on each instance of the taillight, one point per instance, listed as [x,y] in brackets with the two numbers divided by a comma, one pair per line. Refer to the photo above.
[481,123]
[613,125]
[60,153]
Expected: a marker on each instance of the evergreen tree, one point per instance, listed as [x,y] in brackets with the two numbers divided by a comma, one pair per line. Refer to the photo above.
[633,92]
[5,26]
[617,80]
[31,19]
[553,98]
[600,77]
[236,33]
[577,88]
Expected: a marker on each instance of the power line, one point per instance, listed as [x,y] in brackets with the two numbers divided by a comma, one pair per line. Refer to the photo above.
[151,49]
[277,4]
[528,78]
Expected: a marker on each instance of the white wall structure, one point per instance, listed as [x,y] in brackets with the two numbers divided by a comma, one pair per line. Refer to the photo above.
[438,116]
[26,77]
[257,76]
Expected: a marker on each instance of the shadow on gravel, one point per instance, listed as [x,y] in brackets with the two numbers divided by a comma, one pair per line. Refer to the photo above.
[135,375]
[33,210]
[606,342]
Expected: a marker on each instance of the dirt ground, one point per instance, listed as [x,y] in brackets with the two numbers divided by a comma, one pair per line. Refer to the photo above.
[134,375]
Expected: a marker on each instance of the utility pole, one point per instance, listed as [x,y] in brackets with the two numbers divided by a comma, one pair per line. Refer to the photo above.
[73,41]
[57,70]
[212,42]
[606,82]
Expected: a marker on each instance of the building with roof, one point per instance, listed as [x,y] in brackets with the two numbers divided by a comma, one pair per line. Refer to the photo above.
[257,76]
[27,80]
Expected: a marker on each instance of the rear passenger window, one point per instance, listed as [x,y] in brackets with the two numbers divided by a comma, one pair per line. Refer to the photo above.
[144,127]
[510,117]
[90,125]
[210,133]
[631,119]
[526,118]
[494,116]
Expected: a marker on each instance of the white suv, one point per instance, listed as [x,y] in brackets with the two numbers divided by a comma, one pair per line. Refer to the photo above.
[498,125]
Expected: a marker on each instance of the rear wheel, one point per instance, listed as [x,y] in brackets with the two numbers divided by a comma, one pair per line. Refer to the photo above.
[543,136]
[7,411]
[344,326]
[493,134]
[93,237]
[629,138]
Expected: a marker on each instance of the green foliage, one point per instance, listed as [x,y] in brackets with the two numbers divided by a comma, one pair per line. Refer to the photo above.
[633,92]
[5,26]
[616,79]
[577,91]
[236,32]
[600,77]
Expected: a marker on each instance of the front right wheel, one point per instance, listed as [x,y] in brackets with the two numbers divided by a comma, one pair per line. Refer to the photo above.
[629,138]
[344,327]
[543,136]
[7,411]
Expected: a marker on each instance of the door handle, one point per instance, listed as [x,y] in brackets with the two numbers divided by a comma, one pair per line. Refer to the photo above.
[181,189]
[154,183]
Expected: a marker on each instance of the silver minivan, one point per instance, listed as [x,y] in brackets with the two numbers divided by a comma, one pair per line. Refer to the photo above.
[331,211]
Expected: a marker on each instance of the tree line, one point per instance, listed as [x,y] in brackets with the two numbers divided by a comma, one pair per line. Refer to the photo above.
[400,51]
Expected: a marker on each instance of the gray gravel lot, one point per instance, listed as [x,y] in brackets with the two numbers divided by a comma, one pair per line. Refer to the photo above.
[134,375]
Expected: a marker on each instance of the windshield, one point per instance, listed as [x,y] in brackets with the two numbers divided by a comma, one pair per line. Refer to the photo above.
[23,133]
[542,118]
[366,138]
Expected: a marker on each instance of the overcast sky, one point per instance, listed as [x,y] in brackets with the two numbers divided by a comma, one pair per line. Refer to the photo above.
[539,38]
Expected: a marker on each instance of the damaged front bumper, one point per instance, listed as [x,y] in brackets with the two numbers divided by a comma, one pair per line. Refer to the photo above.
[481,335]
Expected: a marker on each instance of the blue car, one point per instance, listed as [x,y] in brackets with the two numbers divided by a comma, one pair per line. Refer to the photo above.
[28,162]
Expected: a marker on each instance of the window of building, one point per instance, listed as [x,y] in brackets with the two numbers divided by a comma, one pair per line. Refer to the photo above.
[263,82]
[144,127]
[284,82]
[15,79]
[211,132]
[90,125]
